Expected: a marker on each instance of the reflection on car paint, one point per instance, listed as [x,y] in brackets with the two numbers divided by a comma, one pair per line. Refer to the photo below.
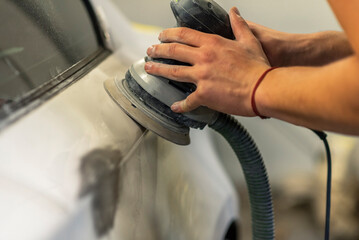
[10,51]
[100,177]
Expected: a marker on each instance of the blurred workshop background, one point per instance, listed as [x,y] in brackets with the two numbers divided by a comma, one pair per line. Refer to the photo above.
[294,156]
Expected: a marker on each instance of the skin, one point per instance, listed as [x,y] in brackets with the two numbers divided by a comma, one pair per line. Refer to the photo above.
[316,86]
[315,49]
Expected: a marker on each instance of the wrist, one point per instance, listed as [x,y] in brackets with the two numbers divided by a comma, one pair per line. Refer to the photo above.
[263,95]
[254,98]
[279,47]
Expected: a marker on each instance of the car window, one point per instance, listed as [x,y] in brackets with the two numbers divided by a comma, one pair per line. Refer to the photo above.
[39,41]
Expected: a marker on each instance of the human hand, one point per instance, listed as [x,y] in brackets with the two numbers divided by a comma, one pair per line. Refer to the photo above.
[225,71]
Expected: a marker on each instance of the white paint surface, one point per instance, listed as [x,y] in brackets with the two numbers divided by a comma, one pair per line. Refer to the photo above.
[41,154]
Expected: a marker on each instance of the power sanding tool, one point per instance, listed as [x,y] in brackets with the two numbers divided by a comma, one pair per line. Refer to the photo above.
[157,94]
[147,99]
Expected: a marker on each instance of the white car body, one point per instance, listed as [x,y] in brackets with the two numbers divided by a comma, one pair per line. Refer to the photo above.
[77,167]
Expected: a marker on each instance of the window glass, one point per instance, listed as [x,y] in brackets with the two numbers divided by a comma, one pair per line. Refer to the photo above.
[40,40]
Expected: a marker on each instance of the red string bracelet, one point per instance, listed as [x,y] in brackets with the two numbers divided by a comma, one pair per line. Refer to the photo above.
[254,106]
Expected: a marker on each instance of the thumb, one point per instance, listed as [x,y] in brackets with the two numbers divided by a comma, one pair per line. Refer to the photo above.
[187,105]
[239,25]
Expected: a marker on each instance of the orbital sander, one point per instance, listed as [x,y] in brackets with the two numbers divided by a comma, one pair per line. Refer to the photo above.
[154,95]
[147,99]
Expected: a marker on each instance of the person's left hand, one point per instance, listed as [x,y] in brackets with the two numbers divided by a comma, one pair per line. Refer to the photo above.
[225,71]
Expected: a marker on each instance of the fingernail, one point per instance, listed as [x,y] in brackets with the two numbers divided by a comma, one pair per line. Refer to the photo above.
[160,36]
[148,66]
[175,107]
[150,50]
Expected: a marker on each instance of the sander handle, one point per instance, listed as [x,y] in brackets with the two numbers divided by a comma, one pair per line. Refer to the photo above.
[202,15]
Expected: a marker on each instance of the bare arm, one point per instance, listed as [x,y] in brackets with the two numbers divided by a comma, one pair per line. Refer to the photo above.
[325,97]
[313,49]
[225,71]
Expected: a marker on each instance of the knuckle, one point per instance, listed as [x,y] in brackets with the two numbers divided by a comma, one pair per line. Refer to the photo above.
[182,33]
[172,49]
[187,104]
[215,40]
[201,92]
[191,102]
[175,72]
[203,74]
[208,56]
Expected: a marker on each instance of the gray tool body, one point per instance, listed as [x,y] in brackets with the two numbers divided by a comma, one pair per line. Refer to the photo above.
[147,99]
[162,89]
[157,94]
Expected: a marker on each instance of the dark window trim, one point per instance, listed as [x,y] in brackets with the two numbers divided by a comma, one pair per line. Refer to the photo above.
[12,111]
[95,22]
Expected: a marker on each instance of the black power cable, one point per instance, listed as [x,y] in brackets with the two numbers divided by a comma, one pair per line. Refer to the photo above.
[323,137]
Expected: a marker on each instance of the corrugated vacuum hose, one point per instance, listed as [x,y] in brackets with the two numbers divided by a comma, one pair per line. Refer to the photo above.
[255,173]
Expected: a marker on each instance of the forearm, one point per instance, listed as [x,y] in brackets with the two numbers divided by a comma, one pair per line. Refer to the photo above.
[225,72]
[315,49]
[323,98]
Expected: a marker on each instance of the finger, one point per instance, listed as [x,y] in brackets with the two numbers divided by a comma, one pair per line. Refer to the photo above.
[187,105]
[183,35]
[239,25]
[173,72]
[174,51]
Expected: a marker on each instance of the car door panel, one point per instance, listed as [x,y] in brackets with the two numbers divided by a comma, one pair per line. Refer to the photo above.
[75,166]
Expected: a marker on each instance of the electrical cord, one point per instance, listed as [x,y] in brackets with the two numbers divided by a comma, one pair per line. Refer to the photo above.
[323,137]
